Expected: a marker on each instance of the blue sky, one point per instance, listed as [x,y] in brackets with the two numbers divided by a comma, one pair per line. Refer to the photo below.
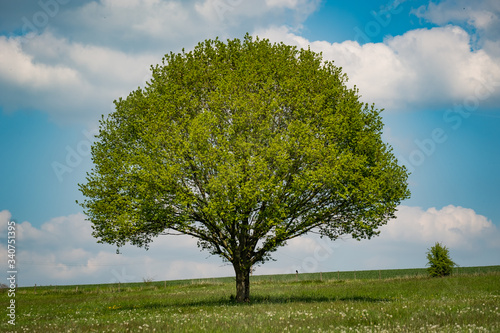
[434,66]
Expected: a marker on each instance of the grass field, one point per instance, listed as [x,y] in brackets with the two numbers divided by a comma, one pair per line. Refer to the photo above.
[363,301]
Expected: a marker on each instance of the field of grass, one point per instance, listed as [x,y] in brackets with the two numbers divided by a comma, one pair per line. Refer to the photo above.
[374,301]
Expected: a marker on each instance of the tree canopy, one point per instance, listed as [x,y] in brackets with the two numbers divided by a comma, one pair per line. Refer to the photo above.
[243,145]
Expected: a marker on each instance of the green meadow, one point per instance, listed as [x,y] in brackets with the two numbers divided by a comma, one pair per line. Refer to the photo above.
[362,301]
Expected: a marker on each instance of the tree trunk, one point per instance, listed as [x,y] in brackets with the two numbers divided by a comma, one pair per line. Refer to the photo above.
[242,284]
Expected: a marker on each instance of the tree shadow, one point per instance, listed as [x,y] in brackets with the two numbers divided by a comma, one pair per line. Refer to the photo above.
[314,299]
[257,299]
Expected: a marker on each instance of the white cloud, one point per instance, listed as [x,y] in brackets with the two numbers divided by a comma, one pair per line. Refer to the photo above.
[78,78]
[457,227]
[73,71]
[482,14]
[480,17]
[421,69]
[151,26]
[62,250]
[20,68]
[221,13]
[70,69]
[282,3]
[403,243]
[76,82]
[5,217]
[132,25]
[305,7]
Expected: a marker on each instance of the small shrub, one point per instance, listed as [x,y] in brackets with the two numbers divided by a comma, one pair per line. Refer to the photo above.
[440,263]
[147,280]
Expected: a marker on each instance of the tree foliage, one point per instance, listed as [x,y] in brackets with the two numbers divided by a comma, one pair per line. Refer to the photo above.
[243,145]
[440,263]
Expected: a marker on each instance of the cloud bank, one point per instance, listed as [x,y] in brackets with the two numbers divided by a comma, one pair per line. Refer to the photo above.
[421,69]
[61,62]
[62,250]
[67,68]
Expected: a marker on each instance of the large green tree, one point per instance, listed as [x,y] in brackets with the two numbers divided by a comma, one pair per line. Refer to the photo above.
[243,145]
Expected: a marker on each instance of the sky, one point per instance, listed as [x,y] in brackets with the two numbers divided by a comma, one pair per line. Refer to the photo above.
[433,66]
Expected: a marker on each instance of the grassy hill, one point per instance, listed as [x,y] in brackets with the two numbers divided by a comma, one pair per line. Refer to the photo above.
[362,301]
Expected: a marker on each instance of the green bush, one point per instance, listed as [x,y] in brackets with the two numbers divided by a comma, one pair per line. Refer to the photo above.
[440,263]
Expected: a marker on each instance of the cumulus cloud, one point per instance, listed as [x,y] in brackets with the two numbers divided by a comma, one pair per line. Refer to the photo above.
[70,81]
[403,243]
[19,68]
[150,25]
[5,217]
[62,63]
[457,227]
[421,69]
[62,250]
[481,14]
[480,17]
[73,72]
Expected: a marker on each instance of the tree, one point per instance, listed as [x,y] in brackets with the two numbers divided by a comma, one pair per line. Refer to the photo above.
[243,145]
[440,263]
